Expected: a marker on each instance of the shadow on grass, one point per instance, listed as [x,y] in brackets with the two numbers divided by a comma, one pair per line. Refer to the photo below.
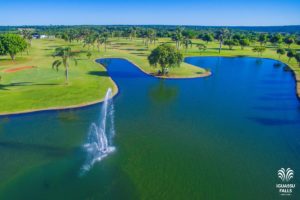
[97,73]
[20,84]
[138,54]
[134,49]
[128,49]
[142,49]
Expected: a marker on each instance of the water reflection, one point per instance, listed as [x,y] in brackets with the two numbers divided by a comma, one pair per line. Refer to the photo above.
[68,115]
[163,93]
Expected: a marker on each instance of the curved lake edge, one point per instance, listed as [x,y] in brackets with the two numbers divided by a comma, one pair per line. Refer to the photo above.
[202,75]
[57,108]
[295,75]
[116,89]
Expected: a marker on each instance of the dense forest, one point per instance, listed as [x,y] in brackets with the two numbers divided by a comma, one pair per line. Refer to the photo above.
[267,29]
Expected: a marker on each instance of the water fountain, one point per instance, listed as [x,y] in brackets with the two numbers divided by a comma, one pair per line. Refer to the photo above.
[99,141]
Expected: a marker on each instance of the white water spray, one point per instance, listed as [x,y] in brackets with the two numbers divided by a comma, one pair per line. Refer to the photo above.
[99,141]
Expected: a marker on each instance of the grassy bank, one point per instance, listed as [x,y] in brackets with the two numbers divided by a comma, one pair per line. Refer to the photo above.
[270,52]
[135,51]
[42,87]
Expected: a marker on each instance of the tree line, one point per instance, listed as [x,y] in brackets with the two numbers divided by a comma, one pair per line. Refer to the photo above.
[94,37]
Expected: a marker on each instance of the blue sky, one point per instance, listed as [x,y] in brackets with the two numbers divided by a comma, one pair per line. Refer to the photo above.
[172,12]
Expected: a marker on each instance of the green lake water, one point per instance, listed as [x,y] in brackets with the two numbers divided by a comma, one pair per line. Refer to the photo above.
[219,137]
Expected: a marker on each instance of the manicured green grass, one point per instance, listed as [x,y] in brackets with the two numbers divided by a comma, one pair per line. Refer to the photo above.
[42,87]
[136,52]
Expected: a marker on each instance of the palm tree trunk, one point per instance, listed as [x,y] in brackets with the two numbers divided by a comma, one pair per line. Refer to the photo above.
[67,73]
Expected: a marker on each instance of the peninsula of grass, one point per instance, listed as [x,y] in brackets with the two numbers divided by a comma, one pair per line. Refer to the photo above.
[39,87]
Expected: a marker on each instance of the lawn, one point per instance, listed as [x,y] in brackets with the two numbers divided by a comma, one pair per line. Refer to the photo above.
[41,87]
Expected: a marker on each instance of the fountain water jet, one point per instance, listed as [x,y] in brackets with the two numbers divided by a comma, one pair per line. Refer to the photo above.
[99,141]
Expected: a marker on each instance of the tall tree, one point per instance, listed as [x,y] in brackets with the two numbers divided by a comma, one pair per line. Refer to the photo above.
[297,57]
[27,35]
[65,54]
[244,43]
[99,41]
[177,37]
[150,36]
[289,40]
[276,39]
[12,44]
[262,39]
[89,41]
[291,54]
[221,36]
[166,56]
[187,42]
[208,37]
[132,33]
[280,52]
[259,50]
[201,47]
[105,37]
[230,43]
[69,35]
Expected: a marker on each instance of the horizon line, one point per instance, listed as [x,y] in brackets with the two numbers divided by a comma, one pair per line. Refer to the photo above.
[151,25]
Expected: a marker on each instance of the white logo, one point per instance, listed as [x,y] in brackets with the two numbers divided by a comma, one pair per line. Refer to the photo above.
[285,175]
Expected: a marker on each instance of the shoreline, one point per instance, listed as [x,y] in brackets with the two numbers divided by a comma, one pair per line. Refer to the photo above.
[116,89]
[57,108]
[296,75]
[206,74]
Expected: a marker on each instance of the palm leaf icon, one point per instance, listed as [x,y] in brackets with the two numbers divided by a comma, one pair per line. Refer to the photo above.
[281,174]
[285,175]
[289,174]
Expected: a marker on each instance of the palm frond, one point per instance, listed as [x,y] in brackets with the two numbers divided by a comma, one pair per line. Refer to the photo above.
[56,64]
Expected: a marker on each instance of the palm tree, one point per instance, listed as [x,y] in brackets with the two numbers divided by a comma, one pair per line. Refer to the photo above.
[27,35]
[99,41]
[150,37]
[187,42]
[201,47]
[221,35]
[65,54]
[89,41]
[105,36]
[132,33]
[177,37]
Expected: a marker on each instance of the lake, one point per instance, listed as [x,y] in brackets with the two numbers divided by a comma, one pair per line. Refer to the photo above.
[219,137]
